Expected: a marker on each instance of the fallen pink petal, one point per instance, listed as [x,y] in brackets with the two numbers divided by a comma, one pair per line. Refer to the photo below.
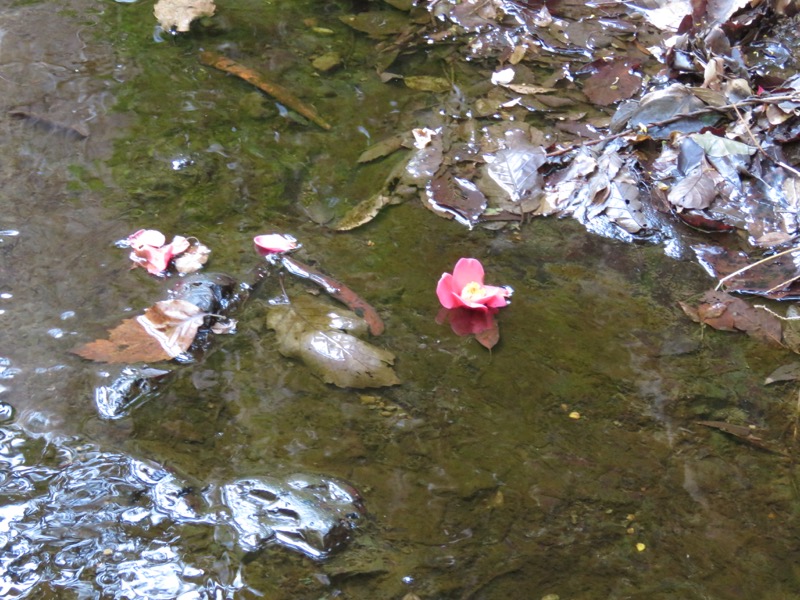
[465,288]
[146,237]
[275,243]
[150,251]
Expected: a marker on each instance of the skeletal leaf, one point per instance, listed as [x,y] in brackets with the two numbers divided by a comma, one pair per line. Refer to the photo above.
[324,338]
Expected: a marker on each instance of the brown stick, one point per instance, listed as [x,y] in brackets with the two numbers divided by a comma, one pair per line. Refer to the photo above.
[280,93]
[337,290]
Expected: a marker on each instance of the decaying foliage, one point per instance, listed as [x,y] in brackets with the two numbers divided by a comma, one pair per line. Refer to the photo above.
[702,129]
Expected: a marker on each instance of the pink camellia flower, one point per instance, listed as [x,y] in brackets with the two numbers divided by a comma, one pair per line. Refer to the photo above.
[275,243]
[146,237]
[148,249]
[465,288]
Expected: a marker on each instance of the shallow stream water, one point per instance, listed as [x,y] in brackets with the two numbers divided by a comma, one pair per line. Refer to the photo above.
[567,462]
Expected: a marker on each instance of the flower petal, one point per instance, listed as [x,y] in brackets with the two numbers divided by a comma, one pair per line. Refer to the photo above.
[146,237]
[444,290]
[274,243]
[178,245]
[466,271]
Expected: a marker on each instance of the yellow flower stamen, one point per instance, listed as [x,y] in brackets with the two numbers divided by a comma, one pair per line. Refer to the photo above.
[472,291]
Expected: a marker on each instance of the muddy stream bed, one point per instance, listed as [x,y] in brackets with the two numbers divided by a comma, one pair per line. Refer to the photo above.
[567,463]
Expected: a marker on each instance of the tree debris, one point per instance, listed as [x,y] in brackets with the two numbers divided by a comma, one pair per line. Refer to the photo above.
[280,93]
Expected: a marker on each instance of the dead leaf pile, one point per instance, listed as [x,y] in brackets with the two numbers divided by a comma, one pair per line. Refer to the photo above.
[699,121]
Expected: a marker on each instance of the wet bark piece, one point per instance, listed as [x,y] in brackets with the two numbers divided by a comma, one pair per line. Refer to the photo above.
[280,93]
[338,291]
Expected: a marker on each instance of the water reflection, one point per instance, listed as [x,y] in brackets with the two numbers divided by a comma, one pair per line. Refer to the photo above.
[74,518]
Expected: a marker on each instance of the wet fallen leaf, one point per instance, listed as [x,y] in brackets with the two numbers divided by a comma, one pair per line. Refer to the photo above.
[741,432]
[363,212]
[773,277]
[715,145]
[324,338]
[459,197]
[165,331]
[614,80]
[516,168]
[668,103]
[179,14]
[128,342]
[377,23]
[697,190]
[728,313]
[423,83]
[385,147]
[789,372]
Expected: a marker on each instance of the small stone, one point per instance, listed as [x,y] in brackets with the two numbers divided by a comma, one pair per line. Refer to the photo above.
[327,62]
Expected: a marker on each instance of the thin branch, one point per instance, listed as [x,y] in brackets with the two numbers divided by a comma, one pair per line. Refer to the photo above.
[755,264]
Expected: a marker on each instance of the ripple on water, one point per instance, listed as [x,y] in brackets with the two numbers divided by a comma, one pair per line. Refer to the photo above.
[99,522]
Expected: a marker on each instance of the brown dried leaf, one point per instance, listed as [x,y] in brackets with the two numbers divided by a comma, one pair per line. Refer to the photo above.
[696,190]
[128,342]
[459,198]
[174,323]
[613,81]
[725,312]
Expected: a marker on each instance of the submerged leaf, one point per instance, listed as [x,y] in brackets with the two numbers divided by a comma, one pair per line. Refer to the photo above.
[457,197]
[377,23]
[615,80]
[363,212]
[324,338]
[725,312]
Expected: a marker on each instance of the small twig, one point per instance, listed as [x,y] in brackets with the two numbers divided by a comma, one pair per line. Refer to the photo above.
[774,314]
[280,93]
[755,264]
[336,290]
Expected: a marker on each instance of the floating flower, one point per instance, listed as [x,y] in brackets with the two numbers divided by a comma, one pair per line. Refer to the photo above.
[465,288]
[148,249]
[275,243]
